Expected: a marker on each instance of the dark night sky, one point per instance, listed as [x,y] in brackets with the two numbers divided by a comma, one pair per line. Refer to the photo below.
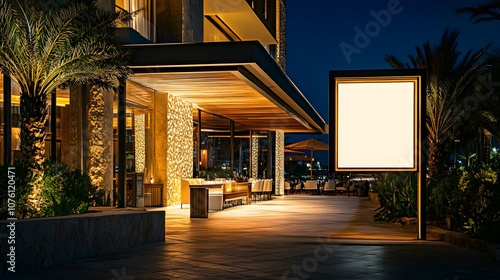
[317,28]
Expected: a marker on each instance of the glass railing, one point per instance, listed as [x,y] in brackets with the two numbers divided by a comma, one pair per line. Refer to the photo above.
[139,23]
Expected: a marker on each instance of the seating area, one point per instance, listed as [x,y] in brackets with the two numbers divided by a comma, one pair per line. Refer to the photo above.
[311,187]
[287,187]
[262,189]
[331,187]
[215,194]
[229,193]
[346,188]
[234,193]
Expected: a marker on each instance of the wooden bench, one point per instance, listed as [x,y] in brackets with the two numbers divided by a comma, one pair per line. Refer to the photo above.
[235,192]
[215,193]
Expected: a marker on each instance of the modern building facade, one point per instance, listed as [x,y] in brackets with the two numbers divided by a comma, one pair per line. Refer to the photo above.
[207,96]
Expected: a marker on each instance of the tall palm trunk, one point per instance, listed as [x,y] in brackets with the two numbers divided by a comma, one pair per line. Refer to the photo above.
[435,160]
[34,114]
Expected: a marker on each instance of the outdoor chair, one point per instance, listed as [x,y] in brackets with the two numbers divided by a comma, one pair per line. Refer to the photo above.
[311,187]
[268,188]
[341,188]
[257,187]
[329,188]
[351,189]
[287,187]
[297,188]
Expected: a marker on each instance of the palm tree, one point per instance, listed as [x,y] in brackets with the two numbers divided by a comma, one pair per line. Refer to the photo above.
[451,77]
[45,46]
[489,11]
[484,12]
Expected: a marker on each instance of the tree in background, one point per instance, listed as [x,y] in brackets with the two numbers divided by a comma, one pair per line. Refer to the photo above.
[489,11]
[451,78]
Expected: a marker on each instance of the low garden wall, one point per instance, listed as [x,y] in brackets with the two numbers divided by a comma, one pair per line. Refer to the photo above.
[48,241]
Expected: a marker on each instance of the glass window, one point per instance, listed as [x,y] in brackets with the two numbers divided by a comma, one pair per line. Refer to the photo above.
[212,34]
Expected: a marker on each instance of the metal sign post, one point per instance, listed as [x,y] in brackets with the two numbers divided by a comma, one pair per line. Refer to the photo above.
[379,118]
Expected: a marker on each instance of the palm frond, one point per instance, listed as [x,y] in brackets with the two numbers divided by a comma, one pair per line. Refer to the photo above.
[452,77]
[485,12]
[74,44]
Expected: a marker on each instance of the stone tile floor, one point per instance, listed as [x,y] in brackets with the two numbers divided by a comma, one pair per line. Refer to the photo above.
[290,237]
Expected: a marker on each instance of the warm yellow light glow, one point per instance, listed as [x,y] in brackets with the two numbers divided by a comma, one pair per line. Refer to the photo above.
[204,158]
[280,163]
[376,124]
[241,18]
[16,100]
[140,142]
[179,147]
[255,157]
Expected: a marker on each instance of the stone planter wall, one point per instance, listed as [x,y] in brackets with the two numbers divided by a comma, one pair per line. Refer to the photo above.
[48,241]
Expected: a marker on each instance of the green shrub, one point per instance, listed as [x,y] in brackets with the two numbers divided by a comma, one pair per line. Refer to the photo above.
[22,186]
[443,197]
[104,198]
[397,196]
[66,191]
[479,211]
[469,198]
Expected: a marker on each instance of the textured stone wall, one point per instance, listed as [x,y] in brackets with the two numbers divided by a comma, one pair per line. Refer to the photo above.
[281,33]
[279,163]
[140,142]
[49,241]
[254,153]
[173,144]
[160,140]
[72,134]
[100,138]
[179,147]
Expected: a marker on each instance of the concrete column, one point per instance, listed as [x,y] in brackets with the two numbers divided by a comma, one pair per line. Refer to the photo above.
[254,154]
[71,129]
[192,21]
[279,177]
[281,33]
[173,144]
[160,139]
[100,138]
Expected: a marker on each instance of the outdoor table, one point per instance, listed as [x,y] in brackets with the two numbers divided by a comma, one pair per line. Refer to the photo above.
[199,197]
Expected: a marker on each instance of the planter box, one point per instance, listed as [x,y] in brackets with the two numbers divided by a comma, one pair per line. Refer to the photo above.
[48,241]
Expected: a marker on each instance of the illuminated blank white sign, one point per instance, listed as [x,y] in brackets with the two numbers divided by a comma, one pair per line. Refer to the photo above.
[376,125]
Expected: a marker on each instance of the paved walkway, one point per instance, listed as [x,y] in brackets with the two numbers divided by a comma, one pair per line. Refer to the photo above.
[291,237]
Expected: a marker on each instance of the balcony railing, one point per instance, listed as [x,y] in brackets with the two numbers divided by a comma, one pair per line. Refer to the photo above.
[139,23]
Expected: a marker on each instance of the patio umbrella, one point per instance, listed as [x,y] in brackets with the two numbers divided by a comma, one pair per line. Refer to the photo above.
[292,151]
[311,144]
[287,151]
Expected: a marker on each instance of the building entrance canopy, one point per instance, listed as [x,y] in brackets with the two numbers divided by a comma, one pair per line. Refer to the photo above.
[236,80]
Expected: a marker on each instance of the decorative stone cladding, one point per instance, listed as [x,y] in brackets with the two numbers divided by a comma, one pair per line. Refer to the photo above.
[49,241]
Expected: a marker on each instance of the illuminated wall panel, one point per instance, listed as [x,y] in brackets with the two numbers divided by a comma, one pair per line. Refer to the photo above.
[99,146]
[280,163]
[255,157]
[140,142]
[179,155]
